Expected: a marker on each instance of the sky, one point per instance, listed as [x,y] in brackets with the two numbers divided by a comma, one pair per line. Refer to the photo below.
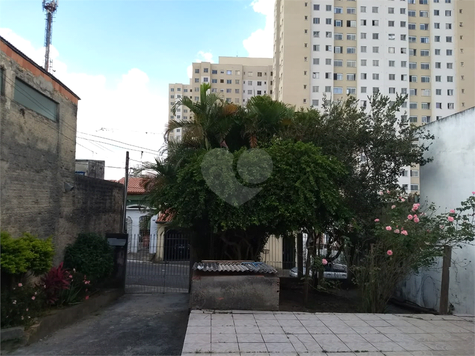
[119,57]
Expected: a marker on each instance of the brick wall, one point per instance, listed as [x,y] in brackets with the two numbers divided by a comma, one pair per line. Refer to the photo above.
[37,157]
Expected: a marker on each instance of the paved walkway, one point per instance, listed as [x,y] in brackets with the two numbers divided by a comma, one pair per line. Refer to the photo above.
[285,333]
[150,324]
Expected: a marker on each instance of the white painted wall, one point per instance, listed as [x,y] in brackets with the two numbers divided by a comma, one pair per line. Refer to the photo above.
[446,181]
[134,214]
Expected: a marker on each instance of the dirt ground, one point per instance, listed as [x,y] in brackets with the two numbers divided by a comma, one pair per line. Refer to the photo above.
[339,300]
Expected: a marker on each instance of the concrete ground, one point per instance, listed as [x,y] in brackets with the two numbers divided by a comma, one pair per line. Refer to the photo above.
[137,324]
[334,334]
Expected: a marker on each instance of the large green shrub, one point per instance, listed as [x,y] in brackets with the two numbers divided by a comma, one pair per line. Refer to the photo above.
[91,255]
[25,254]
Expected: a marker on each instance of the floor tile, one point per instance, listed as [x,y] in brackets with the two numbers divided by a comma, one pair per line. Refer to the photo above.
[274,347]
[413,346]
[246,329]
[265,316]
[215,338]
[290,322]
[387,329]
[225,347]
[318,330]
[351,338]
[379,322]
[275,338]
[252,347]
[334,346]
[376,338]
[294,330]
[268,322]
[250,337]
[196,348]
[387,346]
[198,330]
[365,330]
[342,330]
[197,338]
[272,330]
[359,322]
[223,330]
[360,346]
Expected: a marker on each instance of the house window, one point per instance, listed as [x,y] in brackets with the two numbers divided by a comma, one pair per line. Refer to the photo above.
[34,100]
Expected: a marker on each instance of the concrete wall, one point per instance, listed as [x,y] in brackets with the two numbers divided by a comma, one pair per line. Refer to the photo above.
[446,181]
[37,163]
[234,292]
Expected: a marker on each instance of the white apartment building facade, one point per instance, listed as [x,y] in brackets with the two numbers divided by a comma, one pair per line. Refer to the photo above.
[423,48]
[235,79]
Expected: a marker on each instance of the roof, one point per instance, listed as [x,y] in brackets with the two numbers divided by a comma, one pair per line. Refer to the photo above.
[134,186]
[234,266]
[27,63]
[165,217]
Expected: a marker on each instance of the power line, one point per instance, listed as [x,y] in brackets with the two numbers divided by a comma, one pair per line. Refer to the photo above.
[110,139]
[111,144]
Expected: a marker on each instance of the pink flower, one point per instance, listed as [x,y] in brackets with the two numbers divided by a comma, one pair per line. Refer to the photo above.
[409,217]
[415,206]
[70,276]
[376,220]
[452,211]
[324,262]
[450,218]
[393,206]
[396,231]
[389,252]
[33,298]
[388,228]
[441,226]
[473,193]
[404,232]
[87,297]
[14,302]
[403,200]
[26,309]
[20,285]
[416,219]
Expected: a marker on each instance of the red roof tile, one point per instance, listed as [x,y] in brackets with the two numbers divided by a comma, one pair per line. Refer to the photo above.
[165,217]
[135,185]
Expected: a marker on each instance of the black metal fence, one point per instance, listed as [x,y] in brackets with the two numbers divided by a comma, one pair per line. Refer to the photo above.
[158,263]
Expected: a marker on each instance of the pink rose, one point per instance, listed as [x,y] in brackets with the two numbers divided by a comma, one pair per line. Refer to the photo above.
[450,218]
[87,297]
[26,309]
[393,206]
[396,231]
[70,276]
[389,252]
[33,298]
[376,220]
[403,200]
[452,211]
[473,193]
[388,228]
[416,219]
[324,262]
[20,285]
[404,232]
[409,217]
[14,302]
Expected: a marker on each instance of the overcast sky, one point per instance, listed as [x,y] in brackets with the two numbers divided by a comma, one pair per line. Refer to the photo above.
[120,56]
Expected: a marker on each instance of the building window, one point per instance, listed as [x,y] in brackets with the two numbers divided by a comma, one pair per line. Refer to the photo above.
[338,63]
[316,20]
[375,76]
[363,90]
[337,90]
[34,100]
[197,70]
[425,106]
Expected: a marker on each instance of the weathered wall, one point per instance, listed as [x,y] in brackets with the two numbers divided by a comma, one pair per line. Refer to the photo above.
[234,292]
[36,153]
[37,158]
[446,181]
[96,206]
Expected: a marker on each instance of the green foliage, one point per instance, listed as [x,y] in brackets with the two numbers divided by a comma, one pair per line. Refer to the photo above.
[407,237]
[21,305]
[25,254]
[91,255]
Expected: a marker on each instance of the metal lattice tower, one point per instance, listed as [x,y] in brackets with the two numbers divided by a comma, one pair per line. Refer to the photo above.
[50,7]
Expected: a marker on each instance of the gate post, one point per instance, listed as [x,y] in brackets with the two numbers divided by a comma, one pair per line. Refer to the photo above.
[119,244]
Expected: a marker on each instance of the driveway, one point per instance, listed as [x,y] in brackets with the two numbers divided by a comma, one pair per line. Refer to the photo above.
[137,324]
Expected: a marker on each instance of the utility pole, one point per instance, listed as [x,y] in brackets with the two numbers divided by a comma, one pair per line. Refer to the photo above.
[50,8]
[126,184]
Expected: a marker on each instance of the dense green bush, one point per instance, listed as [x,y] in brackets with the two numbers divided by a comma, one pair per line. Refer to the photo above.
[25,254]
[91,255]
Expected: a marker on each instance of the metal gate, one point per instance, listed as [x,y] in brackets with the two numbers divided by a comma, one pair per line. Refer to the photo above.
[158,263]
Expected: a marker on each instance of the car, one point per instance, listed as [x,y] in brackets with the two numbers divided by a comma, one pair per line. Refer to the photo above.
[332,271]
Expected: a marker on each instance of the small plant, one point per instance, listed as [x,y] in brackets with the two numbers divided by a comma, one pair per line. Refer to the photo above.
[54,282]
[91,255]
[21,305]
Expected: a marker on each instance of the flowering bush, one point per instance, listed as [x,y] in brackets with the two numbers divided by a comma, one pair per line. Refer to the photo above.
[63,287]
[21,305]
[407,236]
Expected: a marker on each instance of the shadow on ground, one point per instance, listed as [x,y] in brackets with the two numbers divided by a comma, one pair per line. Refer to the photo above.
[137,324]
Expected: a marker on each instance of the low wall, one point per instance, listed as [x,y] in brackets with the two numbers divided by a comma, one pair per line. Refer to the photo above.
[234,292]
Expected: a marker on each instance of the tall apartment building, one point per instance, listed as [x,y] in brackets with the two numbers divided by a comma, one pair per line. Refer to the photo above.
[423,48]
[235,79]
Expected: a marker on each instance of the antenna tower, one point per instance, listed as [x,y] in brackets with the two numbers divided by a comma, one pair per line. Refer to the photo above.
[50,8]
